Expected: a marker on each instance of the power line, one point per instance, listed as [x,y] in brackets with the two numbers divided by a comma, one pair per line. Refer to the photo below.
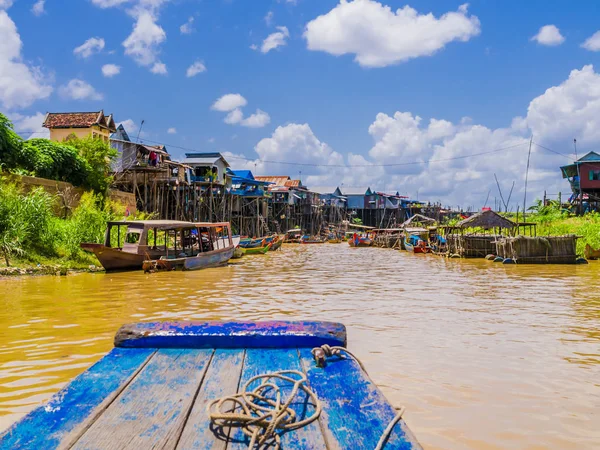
[344,165]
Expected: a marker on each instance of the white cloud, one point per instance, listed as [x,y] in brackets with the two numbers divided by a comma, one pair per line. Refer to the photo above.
[450,162]
[30,126]
[195,69]
[188,27]
[89,47]
[275,40]
[257,120]
[549,35]
[109,3]
[79,90]
[229,102]
[110,70]
[569,110]
[593,42]
[20,84]
[130,126]
[269,18]
[144,41]
[211,140]
[38,8]
[234,116]
[379,37]
[159,68]
[172,130]
[5,4]
[233,104]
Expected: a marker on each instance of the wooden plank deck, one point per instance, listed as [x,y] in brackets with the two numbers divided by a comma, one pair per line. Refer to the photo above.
[157,397]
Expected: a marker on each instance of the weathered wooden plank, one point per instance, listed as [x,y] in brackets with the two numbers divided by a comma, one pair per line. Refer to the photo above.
[269,334]
[262,361]
[47,426]
[152,410]
[222,378]
[355,412]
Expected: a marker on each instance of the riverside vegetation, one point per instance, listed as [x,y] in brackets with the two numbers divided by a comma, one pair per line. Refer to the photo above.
[32,235]
[34,238]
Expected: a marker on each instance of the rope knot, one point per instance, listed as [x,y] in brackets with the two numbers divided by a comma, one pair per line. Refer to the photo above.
[323,352]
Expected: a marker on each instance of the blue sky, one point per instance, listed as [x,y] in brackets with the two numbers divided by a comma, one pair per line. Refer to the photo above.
[473,68]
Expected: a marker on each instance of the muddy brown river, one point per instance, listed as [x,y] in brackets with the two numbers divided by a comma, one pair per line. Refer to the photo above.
[483,355]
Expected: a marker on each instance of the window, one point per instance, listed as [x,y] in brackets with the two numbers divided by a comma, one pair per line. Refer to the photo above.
[594,175]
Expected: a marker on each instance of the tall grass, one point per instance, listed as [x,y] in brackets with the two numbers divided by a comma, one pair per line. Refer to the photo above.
[30,231]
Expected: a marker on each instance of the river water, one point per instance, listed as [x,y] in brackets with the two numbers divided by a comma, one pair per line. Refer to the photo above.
[483,355]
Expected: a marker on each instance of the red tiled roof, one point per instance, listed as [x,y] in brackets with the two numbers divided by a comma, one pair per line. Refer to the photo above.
[278,181]
[79,120]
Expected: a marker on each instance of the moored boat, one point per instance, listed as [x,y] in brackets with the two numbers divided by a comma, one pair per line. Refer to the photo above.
[160,386]
[276,244]
[293,236]
[414,244]
[590,253]
[201,246]
[360,241]
[140,240]
[256,250]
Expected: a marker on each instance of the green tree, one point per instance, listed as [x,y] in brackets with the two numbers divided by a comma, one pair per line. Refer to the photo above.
[10,144]
[99,156]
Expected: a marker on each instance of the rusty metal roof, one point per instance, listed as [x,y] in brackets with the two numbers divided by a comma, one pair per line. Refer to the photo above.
[277,180]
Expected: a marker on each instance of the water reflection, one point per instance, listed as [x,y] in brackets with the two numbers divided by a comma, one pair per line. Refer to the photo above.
[483,355]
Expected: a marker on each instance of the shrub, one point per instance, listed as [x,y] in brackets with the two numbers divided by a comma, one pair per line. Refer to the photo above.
[24,221]
[55,161]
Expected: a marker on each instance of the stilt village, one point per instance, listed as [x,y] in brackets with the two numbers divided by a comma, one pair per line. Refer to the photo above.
[204,188]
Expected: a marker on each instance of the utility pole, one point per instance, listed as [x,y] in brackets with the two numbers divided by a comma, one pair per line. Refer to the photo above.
[526,177]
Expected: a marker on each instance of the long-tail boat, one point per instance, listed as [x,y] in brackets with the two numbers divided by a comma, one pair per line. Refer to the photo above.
[135,241]
[165,385]
[202,245]
[312,240]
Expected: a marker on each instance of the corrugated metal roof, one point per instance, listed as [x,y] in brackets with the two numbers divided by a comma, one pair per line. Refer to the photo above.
[277,180]
[350,190]
[293,183]
[204,158]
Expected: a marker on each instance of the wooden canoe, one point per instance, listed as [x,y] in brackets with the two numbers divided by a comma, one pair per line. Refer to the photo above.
[153,388]
[256,250]
[276,244]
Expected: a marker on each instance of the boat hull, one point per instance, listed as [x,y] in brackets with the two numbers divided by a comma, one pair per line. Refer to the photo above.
[276,245]
[360,243]
[113,259]
[256,250]
[152,389]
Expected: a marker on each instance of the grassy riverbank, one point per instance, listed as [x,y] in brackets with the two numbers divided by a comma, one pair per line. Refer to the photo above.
[587,226]
[33,238]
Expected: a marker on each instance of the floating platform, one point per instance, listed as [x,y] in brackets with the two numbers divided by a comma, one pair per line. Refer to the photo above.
[153,388]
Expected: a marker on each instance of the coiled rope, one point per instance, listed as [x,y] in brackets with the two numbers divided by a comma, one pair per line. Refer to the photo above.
[264,411]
